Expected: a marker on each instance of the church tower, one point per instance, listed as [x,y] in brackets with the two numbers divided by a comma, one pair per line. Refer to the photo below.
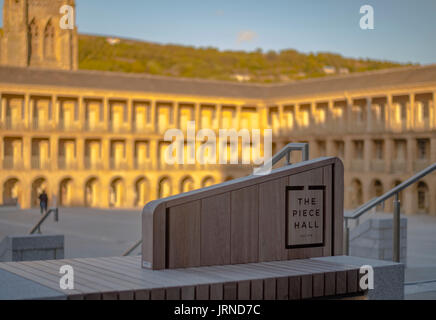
[32,35]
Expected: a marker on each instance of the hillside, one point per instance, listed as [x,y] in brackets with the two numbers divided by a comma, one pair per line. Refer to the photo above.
[112,54]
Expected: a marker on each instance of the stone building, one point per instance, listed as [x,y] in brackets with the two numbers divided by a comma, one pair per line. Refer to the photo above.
[96,138]
[32,36]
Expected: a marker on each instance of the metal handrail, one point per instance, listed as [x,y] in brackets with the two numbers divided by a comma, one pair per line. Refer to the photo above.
[394,192]
[284,152]
[378,200]
[130,250]
[37,226]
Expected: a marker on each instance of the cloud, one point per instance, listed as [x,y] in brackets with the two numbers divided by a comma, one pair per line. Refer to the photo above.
[246,36]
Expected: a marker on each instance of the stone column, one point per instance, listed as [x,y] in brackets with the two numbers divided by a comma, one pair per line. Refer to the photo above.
[129,119]
[411,155]
[411,112]
[106,112]
[153,113]
[348,153]
[27,152]
[367,154]
[54,140]
[82,112]
[130,147]
[369,125]
[389,154]
[175,111]
[80,153]
[27,106]
[388,110]
[105,153]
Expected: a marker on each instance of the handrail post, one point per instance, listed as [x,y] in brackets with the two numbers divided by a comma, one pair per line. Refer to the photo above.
[346,238]
[396,230]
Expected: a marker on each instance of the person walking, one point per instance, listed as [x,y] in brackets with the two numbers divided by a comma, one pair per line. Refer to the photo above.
[43,201]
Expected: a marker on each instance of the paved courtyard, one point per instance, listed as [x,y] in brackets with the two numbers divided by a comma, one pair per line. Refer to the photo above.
[98,233]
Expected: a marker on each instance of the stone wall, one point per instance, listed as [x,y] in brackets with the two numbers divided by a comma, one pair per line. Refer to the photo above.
[373,238]
[32,247]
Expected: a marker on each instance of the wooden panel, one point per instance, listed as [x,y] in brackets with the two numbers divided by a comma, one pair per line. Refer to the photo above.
[328,211]
[318,284]
[272,202]
[216,291]
[244,290]
[294,288]
[172,293]
[341,282]
[157,294]
[126,295]
[215,230]
[183,235]
[352,278]
[269,289]
[244,225]
[338,223]
[188,293]
[282,288]
[230,291]
[329,283]
[256,290]
[202,292]
[306,286]
[153,236]
[110,296]
[142,295]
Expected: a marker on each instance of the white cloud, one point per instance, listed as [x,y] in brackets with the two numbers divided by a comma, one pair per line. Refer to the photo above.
[246,36]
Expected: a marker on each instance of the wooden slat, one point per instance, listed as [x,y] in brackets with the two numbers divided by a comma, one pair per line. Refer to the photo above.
[183,235]
[244,225]
[256,289]
[272,202]
[294,288]
[188,293]
[244,290]
[216,291]
[230,291]
[282,289]
[215,230]
[202,292]
[173,293]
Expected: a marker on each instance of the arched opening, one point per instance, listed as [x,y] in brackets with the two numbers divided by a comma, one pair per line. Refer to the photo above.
[187,184]
[164,187]
[12,192]
[66,192]
[33,40]
[142,187]
[49,49]
[91,193]
[116,193]
[356,193]
[377,191]
[38,186]
[208,181]
[423,198]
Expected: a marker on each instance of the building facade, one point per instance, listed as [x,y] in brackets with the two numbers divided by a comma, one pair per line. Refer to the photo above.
[97,138]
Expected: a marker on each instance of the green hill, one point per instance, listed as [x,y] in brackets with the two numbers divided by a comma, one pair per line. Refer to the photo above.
[97,53]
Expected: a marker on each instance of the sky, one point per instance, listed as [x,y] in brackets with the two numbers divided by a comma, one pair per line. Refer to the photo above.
[404,30]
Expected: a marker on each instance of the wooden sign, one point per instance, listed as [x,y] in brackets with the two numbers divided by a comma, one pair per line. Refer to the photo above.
[295,212]
[305,217]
